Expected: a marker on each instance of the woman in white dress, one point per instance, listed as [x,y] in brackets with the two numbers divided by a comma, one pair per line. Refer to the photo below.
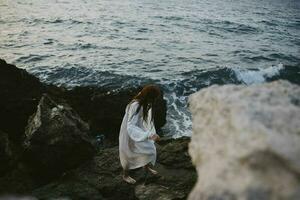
[138,134]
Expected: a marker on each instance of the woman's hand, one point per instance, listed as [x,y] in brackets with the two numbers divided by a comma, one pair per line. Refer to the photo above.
[154,137]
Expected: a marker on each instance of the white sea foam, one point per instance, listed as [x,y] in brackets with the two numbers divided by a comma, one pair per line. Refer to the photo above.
[178,118]
[250,76]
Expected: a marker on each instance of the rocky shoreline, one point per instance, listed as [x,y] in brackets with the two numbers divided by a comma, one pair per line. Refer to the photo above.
[57,143]
[62,143]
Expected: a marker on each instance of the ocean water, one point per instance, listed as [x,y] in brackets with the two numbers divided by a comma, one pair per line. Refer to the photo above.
[182,45]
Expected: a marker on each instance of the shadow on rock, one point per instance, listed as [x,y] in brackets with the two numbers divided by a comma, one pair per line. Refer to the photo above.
[101,178]
[56,139]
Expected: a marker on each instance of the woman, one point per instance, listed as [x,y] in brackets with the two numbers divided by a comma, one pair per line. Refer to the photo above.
[137,133]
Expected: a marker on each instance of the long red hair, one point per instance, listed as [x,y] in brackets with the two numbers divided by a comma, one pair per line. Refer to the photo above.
[146,98]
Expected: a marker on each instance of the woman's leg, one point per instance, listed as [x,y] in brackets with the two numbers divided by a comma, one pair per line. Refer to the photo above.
[125,172]
[147,167]
[127,178]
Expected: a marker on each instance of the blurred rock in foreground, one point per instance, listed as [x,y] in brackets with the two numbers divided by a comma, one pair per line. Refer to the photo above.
[246,141]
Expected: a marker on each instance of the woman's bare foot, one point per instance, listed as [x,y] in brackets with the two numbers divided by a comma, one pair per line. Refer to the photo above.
[151,170]
[129,180]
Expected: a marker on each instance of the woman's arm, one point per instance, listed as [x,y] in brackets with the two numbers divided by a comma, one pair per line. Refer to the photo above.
[134,131]
[150,125]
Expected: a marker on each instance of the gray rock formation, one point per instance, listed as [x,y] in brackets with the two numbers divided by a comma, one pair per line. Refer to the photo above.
[56,138]
[246,141]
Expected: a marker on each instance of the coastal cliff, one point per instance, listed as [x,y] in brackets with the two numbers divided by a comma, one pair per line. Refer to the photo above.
[246,141]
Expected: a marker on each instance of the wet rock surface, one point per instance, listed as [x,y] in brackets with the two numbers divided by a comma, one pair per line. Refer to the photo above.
[246,141]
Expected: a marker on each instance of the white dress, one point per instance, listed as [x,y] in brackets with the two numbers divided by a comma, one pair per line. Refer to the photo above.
[135,149]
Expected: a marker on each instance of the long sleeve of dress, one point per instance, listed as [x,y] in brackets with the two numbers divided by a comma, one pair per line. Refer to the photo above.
[135,132]
[150,123]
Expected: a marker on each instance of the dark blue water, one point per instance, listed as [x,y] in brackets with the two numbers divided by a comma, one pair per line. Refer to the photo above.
[181,45]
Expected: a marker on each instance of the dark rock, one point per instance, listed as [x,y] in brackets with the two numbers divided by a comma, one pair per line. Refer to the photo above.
[100,178]
[17,180]
[56,139]
[6,156]
[154,191]
[68,190]
[10,197]
[103,175]
[175,166]
[20,93]
[160,113]
[175,153]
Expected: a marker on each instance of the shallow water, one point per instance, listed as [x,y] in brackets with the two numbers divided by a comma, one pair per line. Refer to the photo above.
[181,45]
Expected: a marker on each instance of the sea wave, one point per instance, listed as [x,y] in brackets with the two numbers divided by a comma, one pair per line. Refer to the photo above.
[32,58]
[176,91]
[36,21]
[76,75]
[251,76]
[179,118]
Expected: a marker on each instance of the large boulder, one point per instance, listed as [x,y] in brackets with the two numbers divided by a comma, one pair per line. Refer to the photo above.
[56,138]
[246,141]
[19,94]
